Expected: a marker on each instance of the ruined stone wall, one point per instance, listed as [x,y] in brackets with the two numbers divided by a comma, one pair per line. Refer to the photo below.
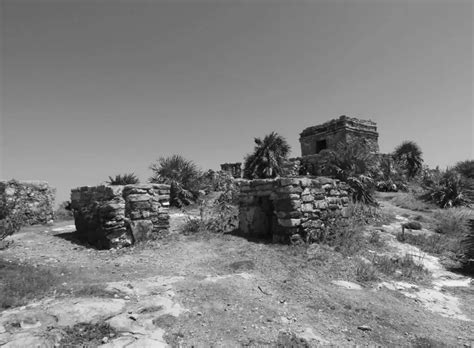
[33,199]
[234,169]
[343,129]
[111,216]
[290,209]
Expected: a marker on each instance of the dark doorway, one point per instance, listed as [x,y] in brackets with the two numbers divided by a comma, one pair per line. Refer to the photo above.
[264,218]
[321,145]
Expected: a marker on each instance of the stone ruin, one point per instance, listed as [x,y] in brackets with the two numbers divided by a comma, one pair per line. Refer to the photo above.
[343,129]
[114,216]
[35,199]
[291,209]
[234,169]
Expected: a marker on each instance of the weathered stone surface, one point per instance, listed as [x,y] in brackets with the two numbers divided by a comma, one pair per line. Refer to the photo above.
[35,200]
[117,216]
[141,229]
[299,208]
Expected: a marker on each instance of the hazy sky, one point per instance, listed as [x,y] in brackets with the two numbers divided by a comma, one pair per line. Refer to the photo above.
[96,88]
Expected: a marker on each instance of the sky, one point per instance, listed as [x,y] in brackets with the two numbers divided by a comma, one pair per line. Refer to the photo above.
[90,89]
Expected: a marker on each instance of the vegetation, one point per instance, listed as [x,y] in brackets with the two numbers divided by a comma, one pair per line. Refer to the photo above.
[183,175]
[449,190]
[465,168]
[408,154]
[268,157]
[87,335]
[355,164]
[123,179]
[390,176]
[20,283]
[64,212]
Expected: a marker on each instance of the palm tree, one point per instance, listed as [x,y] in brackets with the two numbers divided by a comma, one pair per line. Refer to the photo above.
[183,176]
[268,157]
[409,155]
[353,163]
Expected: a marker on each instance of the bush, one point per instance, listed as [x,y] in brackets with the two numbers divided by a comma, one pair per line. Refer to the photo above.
[465,168]
[365,272]
[64,212]
[125,179]
[409,156]
[410,201]
[449,191]
[355,164]
[453,221]
[181,174]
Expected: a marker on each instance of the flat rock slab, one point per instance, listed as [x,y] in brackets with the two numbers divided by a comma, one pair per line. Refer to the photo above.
[347,285]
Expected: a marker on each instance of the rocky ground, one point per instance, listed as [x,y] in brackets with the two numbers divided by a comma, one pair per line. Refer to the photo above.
[225,291]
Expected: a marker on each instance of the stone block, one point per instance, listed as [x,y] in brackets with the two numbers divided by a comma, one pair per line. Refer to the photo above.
[141,230]
[307,207]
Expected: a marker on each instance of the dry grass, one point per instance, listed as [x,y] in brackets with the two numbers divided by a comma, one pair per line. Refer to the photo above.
[452,221]
[21,283]
[409,201]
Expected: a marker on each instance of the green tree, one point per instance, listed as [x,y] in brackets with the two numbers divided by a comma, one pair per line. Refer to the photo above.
[408,154]
[181,174]
[268,157]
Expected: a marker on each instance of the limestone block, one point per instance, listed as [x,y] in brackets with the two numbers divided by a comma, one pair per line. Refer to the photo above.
[307,207]
[138,197]
[321,205]
[289,181]
[307,198]
[141,229]
[290,189]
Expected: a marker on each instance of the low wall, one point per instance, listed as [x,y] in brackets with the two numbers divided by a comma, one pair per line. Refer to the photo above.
[33,199]
[290,209]
[113,216]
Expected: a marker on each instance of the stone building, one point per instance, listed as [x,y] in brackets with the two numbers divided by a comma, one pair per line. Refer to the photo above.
[343,129]
[112,216]
[290,209]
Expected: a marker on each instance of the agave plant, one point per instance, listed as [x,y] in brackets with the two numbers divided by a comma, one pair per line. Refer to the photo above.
[408,154]
[123,179]
[268,158]
[183,175]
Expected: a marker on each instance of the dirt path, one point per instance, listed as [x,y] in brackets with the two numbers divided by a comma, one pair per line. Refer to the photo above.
[216,290]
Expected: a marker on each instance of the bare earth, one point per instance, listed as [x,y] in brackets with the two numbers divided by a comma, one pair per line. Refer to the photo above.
[225,291]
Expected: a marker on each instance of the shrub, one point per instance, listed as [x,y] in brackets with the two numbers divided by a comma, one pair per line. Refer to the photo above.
[365,272]
[86,335]
[465,168]
[268,158]
[408,154]
[355,164]
[123,179]
[345,237]
[212,181]
[183,175]
[406,266]
[64,212]
[449,191]
[453,221]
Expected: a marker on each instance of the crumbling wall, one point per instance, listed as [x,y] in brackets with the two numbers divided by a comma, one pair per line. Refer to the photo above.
[34,200]
[112,216]
[291,209]
[234,169]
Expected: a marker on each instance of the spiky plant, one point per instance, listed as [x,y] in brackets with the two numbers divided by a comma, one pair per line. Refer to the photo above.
[465,168]
[268,157]
[409,155]
[183,175]
[123,179]
[353,163]
[449,191]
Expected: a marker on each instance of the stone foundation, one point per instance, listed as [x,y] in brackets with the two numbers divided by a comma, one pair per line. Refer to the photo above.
[112,216]
[290,209]
[34,199]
